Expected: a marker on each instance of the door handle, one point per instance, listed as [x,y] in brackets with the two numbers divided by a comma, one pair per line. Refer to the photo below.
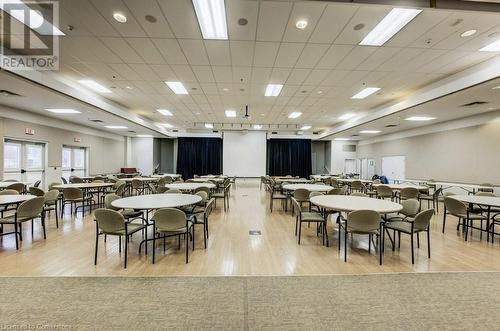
[72,170]
[23,171]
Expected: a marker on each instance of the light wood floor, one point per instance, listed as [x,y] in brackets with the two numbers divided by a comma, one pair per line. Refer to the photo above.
[69,250]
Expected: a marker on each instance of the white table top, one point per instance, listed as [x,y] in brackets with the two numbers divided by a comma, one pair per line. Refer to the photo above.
[156,201]
[15,198]
[478,200]
[350,180]
[82,185]
[6,184]
[399,187]
[165,175]
[320,176]
[351,203]
[189,186]
[292,180]
[310,187]
[473,186]
[205,180]
[213,176]
[142,179]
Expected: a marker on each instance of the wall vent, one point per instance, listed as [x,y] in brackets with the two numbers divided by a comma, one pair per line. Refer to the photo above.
[391,125]
[274,132]
[96,121]
[175,130]
[348,148]
[6,93]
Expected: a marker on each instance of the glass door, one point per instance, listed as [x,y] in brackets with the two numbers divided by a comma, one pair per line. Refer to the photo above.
[24,161]
[74,161]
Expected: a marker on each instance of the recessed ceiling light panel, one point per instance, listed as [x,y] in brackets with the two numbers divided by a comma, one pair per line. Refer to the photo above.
[391,24]
[63,111]
[420,118]
[119,17]
[117,127]
[493,47]
[165,112]
[370,131]
[365,92]
[211,16]
[257,126]
[301,24]
[177,87]
[295,114]
[230,113]
[92,84]
[346,117]
[305,127]
[209,125]
[468,33]
[273,90]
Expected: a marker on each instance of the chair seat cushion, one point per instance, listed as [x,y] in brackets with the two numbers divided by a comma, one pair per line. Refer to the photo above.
[131,228]
[280,196]
[127,213]
[10,219]
[174,231]
[400,226]
[311,217]
[218,195]
[472,216]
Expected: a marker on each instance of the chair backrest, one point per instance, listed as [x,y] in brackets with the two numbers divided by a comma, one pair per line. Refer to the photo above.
[376,181]
[108,199]
[335,191]
[75,179]
[363,220]
[423,219]
[454,206]
[191,180]
[9,192]
[51,196]
[334,182]
[137,184]
[209,207]
[409,193]
[64,180]
[118,183]
[296,206]
[36,191]
[109,220]
[72,193]
[204,197]
[97,180]
[161,189]
[313,194]
[357,185]
[120,188]
[301,194]
[173,190]
[384,191]
[152,188]
[37,183]
[19,187]
[358,194]
[485,194]
[202,189]
[437,192]
[169,219]
[343,189]
[410,207]
[113,180]
[31,208]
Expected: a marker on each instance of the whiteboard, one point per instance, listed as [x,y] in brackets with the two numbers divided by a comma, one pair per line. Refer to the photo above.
[244,154]
[393,167]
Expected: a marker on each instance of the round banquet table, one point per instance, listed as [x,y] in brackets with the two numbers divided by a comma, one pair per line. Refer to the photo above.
[309,187]
[206,180]
[14,199]
[399,187]
[156,201]
[350,180]
[349,203]
[85,187]
[189,186]
[292,180]
[4,185]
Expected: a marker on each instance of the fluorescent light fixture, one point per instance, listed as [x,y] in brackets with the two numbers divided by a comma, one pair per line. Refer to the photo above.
[63,111]
[117,127]
[165,112]
[493,47]
[389,26]
[144,136]
[92,84]
[305,127]
[496,87]
[370,131]
[347,116]
[119,17]
[230,113]
[341,139]
[301,24]
[420,118]
[273,90]
[36,20]
[209,125]
[177,87]
[468,33]
[365,92]
[211,16]
[257,126]
[166,125]
[295,114]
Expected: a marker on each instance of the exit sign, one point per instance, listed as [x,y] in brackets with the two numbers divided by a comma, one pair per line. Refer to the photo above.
[29,131]
[77,139]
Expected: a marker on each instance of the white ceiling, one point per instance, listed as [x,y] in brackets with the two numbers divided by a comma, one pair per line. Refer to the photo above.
[321,67]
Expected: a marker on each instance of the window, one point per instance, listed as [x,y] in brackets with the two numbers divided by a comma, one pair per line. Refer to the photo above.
[74,161]
[24,161]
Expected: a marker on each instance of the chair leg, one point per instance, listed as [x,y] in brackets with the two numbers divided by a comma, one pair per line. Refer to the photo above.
[119,244]
[57,218]
[326,233]
[126,249]
[300,230]
[444,218]
[43,226]
[412,253]
[16,234]
[96,242]
[187,246]
[428,243]
[345,244]
[369,243]
[418,240]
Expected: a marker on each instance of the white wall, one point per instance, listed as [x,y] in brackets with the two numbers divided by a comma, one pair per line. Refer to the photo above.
[469,155]
[142,155]
[244,154]
[338,156]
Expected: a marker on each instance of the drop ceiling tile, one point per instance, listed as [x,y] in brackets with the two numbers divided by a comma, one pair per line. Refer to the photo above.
[242,75]
[109,7]
[333,56]
[184,73]
[203,74]
[355,57]
[332,22]
[194,50]
[170,50]
[316,76]
[222,74]
[398,61]
[248,10]
[381,55]
[265,53]
[218,52]
[122,49]
[125,71]
[140,9]
[288,54]
[311,54]
[181,18]
[297,76]
[273,18]
[261,75]
[279,75]
[308,11]
[90,18]
[146,49]
[370,16]
[164,72]
[242,53]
